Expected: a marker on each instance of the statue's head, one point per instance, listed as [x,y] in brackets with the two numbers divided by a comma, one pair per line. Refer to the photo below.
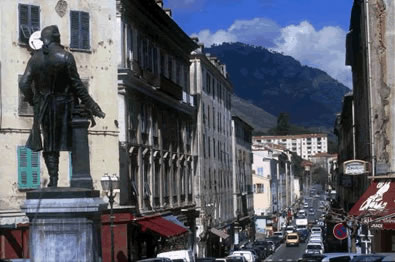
[50,34]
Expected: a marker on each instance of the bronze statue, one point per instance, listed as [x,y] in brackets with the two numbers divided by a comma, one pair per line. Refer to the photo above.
[57,90]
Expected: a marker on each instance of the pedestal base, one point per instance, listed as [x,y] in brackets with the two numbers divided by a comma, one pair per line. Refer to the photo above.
[64,224]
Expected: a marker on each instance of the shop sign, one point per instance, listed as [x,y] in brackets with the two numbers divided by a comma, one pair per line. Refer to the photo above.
[355,167]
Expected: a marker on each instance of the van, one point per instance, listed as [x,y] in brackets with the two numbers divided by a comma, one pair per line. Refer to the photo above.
[185,255]
[292,239]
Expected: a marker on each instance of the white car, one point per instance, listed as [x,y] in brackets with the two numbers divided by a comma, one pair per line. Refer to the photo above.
[316,240]
[314,248]
[290,229]
[185,255]
[235,258]
[316,229]
[248,255]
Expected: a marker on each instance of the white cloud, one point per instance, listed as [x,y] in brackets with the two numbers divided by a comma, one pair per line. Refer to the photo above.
[257,31]
[324,48]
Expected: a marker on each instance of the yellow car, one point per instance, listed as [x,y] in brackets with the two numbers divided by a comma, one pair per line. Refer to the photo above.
[292,239]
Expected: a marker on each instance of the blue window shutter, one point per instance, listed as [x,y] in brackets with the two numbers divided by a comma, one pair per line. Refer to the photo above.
[34,18]
[84,30]
[28,168]
[74,29]
[23,23]
[35,167]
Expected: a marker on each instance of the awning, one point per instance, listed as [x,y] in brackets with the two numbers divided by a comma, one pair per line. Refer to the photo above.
[377,205]
[175,220]
[161,226]
[219,233]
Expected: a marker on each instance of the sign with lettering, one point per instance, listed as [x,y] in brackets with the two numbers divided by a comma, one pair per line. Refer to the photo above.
[355,167]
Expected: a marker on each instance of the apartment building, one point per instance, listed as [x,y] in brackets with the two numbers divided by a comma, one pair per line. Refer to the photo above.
[243,202]
[305,145]
[157,128]
[89,37]
[213,182]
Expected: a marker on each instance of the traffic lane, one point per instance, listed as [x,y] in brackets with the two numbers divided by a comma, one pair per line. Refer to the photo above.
[288,254]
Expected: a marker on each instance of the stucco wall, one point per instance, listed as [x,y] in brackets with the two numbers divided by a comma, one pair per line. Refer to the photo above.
[98,65]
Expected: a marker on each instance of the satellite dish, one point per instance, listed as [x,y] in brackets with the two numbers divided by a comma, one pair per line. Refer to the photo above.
[34,40]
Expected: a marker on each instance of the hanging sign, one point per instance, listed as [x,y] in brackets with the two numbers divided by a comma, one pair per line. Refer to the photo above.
[355,167]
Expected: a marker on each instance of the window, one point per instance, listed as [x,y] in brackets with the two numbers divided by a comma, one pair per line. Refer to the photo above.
[170,67]
[208,83]
[79,30]
[29,21]
[28,168]
[260,171]
[258,188]
[178,73]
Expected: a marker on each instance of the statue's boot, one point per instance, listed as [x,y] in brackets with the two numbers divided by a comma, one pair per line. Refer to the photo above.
[52,162]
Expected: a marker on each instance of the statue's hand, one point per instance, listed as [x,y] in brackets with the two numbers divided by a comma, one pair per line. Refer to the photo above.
[96,111]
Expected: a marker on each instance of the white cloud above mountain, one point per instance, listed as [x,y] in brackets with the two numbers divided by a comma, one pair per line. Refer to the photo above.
[322,48]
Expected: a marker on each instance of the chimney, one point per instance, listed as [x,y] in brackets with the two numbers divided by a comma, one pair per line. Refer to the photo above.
[160,3]
[201,47]
[168,11]
[195,39]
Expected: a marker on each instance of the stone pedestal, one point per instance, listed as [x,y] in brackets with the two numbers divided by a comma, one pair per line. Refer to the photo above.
[64,224]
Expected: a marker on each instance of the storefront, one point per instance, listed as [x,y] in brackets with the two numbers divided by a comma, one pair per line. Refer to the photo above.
[375,212]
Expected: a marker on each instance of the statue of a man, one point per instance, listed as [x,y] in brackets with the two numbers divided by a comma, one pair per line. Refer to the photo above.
[57,89]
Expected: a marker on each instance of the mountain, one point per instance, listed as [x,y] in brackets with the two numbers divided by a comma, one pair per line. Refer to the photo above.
[255,116]
[279,83]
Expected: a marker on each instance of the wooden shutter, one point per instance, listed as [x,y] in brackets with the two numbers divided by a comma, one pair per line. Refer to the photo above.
[74,29]
[28,168]
[35,169]
[34,18]
[23,23]
[84,31]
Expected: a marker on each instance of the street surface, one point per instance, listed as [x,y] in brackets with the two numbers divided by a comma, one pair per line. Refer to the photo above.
[284,253]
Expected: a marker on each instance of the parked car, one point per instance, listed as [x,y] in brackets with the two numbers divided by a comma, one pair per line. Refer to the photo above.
[269,246]
[258,252]
[275,240]
[292,239]
[156,259]
[289,229]
[303,235]
[185,255]
[311,258]
[316,229]
[236,258]
[205,259]
[247,254]
[279,234]
[266,249]
[314,248]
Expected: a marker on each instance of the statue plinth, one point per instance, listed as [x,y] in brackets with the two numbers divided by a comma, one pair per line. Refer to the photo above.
[81,177]
[64,224]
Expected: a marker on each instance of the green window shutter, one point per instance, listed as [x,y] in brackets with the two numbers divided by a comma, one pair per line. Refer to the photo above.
[28,168]
[23,167]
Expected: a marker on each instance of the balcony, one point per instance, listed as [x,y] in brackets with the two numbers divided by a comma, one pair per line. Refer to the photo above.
[169,87]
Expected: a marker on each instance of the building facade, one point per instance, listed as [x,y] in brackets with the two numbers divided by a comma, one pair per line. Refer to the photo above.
[213,182]
[243,199]
[365,125]
[90,38]
[157,117]
[305,145]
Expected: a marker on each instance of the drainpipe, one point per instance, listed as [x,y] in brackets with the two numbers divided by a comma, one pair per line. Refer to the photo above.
[372,143]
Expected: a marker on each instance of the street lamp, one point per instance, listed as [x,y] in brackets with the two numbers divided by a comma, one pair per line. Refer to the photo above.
[109,184]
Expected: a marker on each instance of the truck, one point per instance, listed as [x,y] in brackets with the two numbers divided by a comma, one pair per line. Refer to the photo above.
[301,223]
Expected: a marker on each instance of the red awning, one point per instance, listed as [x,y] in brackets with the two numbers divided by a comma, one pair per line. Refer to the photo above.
[377,205]
[161,226]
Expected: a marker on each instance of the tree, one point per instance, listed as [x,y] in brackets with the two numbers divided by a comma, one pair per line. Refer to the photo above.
[283,126]
[320,176]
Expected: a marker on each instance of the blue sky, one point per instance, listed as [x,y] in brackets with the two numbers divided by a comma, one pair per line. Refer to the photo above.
[312,31]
